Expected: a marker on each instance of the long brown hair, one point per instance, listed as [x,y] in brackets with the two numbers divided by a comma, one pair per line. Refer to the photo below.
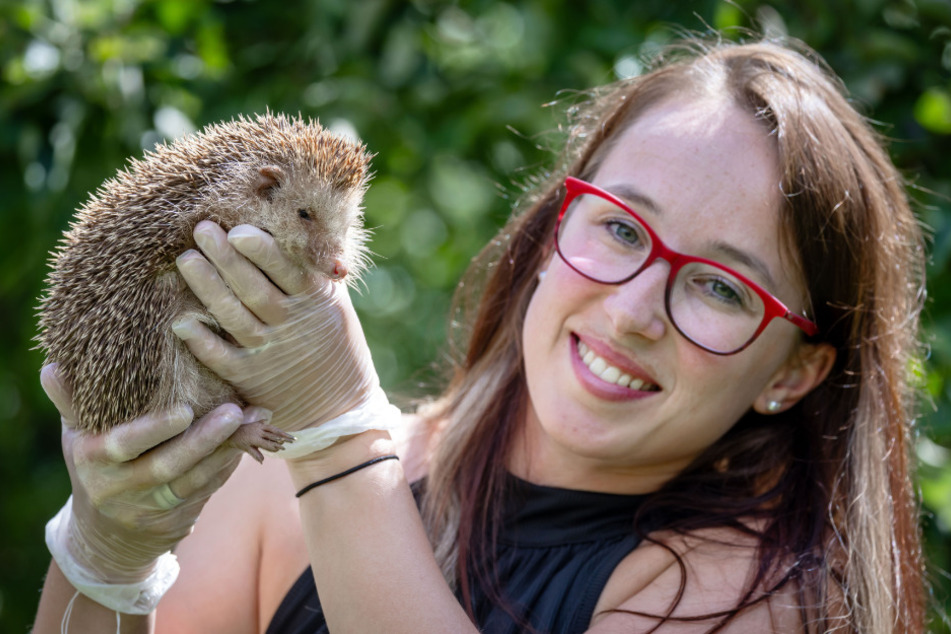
[830,480]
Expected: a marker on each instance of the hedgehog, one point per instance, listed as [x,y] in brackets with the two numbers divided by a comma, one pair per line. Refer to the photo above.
[113,291]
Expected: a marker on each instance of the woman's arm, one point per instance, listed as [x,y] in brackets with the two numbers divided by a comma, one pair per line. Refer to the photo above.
[137,490]
[372,560]
[376,571]
[63,609]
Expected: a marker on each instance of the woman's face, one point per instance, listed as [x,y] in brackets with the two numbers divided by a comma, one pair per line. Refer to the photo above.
[704,175]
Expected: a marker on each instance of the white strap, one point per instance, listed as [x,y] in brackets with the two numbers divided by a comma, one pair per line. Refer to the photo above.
[375,413]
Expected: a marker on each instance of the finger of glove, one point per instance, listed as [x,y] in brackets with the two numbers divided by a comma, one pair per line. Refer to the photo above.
[249,284]
[58,392]
[203,279]
[140,510]
[172,459]
[130,440]
[127,441]
[260,248]
[207,476]
[216,353]
[105,463]
[255,414]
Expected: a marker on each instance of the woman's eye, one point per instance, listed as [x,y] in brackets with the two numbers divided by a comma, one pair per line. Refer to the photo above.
[303,213]
[725,291]
[722,291]
[624,232]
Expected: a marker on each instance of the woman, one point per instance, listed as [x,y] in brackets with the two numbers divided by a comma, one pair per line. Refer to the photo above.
[683,404]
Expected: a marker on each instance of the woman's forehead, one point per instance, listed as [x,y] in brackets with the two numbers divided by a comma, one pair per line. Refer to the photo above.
[710,173]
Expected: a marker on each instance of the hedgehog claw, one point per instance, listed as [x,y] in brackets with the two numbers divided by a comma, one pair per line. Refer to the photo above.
[252,437]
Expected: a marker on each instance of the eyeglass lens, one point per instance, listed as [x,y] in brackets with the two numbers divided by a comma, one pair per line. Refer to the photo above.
[707,303]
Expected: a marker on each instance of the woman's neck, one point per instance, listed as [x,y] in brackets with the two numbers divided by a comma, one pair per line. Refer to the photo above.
[536,458]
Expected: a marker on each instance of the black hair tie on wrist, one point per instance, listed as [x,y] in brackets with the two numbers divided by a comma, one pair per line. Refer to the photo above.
[314,485]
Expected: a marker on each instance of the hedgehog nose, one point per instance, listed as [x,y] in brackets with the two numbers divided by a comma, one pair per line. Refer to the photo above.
[338,271]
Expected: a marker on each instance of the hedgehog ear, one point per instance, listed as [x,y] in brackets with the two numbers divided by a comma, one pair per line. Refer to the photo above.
[269,179]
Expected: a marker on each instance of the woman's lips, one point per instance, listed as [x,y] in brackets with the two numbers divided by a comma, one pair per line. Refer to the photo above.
[607,372]
[608,380]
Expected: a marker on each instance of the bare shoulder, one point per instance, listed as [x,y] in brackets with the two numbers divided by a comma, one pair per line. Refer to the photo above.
[712,568]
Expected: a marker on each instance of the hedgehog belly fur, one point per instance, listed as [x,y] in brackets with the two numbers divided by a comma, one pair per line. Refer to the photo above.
[184,379]
[130,362]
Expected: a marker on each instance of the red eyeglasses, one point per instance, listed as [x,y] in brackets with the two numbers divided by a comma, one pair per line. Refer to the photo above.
[713,306]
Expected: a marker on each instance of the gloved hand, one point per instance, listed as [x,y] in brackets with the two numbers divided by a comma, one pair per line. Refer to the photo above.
[298,347]
[137,491]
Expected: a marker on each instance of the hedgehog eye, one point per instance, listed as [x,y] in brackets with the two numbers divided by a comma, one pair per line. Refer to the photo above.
[303,213]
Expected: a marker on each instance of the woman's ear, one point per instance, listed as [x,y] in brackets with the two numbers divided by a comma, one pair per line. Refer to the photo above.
[806,368]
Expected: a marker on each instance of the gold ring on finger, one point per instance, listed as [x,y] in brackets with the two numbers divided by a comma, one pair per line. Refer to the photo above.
[165,498]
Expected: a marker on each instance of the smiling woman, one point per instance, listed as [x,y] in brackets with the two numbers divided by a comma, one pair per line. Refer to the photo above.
[683,404]
[797,446]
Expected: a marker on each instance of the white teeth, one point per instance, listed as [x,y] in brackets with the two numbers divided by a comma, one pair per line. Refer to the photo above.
[599,367]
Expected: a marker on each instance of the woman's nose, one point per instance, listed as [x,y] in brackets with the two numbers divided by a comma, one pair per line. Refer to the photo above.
[637,306]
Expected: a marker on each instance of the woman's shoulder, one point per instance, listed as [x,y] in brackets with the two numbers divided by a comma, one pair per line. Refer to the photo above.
[701,572]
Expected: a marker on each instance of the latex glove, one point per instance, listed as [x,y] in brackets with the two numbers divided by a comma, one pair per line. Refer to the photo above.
[137,491]
[298,348]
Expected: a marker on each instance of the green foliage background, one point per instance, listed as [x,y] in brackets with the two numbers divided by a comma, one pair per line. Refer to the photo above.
[450,96]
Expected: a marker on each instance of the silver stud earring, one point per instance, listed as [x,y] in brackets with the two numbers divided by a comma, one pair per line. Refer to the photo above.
[773,406]
[541,275]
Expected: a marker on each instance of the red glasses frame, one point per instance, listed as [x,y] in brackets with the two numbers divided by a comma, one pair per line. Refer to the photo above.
[772,307]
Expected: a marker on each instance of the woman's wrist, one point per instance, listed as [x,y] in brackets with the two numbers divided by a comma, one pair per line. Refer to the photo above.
[374,412]
[63,608]
[346,453]
[89,568]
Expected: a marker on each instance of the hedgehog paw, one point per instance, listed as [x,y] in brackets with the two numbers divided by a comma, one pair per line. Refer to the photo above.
[252,437]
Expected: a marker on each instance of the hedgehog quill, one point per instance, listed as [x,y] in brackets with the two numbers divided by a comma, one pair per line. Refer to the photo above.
[114,291]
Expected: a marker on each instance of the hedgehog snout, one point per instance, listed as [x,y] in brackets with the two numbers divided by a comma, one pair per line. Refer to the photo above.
[332,266]
[339,270]
[328,257]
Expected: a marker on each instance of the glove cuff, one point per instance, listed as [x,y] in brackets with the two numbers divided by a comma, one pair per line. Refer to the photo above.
[128,598]
[375,413]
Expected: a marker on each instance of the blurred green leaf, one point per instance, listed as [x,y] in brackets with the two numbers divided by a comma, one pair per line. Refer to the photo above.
[212,47]
[449,95]
[933,110]
[175,15]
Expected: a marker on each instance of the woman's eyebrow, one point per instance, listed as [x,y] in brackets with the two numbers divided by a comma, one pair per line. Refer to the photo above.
[642,202]
[635,198]
[749,260]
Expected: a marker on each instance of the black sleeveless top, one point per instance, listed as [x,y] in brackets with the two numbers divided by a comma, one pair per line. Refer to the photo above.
[556,550]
